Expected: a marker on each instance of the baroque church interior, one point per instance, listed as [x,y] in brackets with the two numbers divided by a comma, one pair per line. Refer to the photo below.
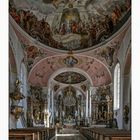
[70,69]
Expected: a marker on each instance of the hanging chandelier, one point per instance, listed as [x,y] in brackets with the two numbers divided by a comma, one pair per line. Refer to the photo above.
[69,100]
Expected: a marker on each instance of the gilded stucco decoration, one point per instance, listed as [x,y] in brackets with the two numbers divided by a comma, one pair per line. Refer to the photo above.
[35,105]
[56,87]
[70,61]
[108,54]
[32,55]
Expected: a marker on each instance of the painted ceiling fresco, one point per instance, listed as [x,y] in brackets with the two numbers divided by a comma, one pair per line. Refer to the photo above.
[70,24]
[33,54]
[70,78]
[42,71]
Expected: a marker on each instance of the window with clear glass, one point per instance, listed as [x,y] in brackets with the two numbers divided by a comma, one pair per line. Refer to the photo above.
[117,87]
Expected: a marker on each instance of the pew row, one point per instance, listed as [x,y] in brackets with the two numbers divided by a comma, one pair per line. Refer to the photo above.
[105,134]
[35,133]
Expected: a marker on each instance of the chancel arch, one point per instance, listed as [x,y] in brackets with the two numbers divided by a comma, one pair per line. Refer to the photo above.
[62,87]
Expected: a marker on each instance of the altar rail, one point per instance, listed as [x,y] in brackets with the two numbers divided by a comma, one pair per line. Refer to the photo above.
[33,133]
[105,134]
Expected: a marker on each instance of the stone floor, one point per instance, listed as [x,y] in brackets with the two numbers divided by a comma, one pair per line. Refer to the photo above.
[69,134]
[74,137]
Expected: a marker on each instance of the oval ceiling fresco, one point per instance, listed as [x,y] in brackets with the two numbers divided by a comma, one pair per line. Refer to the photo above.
[70,24]
[70,78]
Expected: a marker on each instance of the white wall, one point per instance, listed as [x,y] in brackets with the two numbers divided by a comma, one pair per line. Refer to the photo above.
[18,55]
[16,48]
[124,86]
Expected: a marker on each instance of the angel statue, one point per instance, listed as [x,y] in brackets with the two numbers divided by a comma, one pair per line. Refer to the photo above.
[18,83]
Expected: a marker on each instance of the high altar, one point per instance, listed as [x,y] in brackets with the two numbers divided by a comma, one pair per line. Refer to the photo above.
[70,108]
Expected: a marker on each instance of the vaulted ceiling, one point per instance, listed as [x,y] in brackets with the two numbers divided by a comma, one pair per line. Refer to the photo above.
[72,24]
[40,73]
[59,34]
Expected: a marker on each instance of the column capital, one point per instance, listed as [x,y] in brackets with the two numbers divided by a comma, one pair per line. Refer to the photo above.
[91,88]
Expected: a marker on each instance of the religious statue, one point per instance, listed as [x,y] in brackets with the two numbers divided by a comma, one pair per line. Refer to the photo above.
[110,115]
[125,113]
[99,114]
[37,116]
[46,116]
[105,114]
[18,83]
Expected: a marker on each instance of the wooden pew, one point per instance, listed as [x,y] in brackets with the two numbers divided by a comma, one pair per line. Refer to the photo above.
[35,133]
[105,134]
[21,136]
[113,134]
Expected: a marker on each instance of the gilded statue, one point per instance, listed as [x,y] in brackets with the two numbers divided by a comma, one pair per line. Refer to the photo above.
[17,95]
[105,114]
[37,116]
[125,113]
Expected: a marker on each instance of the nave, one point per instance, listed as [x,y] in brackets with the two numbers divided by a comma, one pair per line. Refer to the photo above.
[69,134]
[83,133]
[69,69]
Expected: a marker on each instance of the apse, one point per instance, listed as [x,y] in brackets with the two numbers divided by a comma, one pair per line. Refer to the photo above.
[69,105]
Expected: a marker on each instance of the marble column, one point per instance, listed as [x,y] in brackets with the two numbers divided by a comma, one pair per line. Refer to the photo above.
[89,93]
[45,113]
[87,104]
[45,92]
[82,108]
[92,107]
[48,107]
[52,110]
[90,90]
[87,108]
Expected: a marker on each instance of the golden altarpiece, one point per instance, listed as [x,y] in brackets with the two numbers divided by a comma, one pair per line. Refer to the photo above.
[101,107]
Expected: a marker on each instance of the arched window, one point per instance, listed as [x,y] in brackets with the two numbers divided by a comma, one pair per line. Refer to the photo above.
[117,87]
